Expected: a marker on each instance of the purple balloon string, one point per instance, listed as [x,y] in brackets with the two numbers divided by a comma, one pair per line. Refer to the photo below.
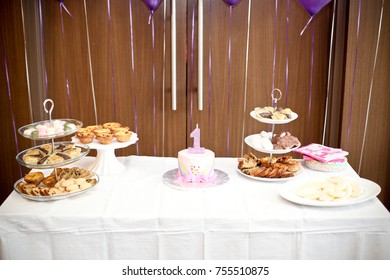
[43,48]
[275,34]
[65,56]
[151,19]
[229,82]
[112,58]
[132,71]
[311,84]
[354,76]
[11,109]
[287,46]
[210,72]
[192,65]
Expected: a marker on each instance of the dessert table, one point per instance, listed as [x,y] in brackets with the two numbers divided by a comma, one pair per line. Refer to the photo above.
[134,215]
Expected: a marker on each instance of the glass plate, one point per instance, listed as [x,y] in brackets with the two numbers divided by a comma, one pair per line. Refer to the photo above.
[296,174]
[294,116]
[169,178]
[84,151]
[249,141]
[54,197]
[371,190]
[77,124]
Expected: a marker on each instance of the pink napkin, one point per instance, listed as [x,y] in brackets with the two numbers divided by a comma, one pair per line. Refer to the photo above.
[323,153]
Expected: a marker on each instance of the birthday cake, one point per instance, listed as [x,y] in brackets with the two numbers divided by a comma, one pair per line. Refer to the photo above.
[196,168]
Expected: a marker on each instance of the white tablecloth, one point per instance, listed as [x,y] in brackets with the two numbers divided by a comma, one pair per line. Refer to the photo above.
[134,215]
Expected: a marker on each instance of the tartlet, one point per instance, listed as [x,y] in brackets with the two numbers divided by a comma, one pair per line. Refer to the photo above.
[111,125]
[123,136]
[105,138]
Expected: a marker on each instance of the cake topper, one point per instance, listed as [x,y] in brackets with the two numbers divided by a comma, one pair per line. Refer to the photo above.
[196,149]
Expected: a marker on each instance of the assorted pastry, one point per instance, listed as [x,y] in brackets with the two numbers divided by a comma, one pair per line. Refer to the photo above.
[278,113]
[66,181]
[283,141]
[104,134]
[47,154]
[47,129]
[266,167]
[330,189]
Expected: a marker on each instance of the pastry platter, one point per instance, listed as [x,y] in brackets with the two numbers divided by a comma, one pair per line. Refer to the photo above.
[95,177]
[250,140]
[62,154]
[289,192]
[294,116]
[50,129]
[275,180]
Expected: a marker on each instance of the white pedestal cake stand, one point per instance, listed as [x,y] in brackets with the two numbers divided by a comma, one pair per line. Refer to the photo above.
[106,162]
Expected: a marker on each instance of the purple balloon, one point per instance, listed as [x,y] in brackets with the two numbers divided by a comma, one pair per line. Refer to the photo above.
[152,4]
[231,2]
[314,6]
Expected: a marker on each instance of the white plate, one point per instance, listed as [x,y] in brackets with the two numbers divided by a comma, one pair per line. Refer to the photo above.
[371,190]
[249,141]
[54,197]
[299,172]
[294,116]
[115,144]
[169,178]
[77,124]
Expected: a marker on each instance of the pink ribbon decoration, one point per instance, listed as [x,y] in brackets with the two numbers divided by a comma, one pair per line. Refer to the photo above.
[229,82]
[354,76]
[311,84]
[191,70]
[43,47]
[287,45]
[11,109]
[132,71]
[62,6]
[112,58]
[210,73]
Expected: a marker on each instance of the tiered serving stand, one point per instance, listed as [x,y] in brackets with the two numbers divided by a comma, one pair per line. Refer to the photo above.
[249,140]
[84,151]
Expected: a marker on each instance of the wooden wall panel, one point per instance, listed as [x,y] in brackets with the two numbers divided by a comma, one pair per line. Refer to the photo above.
[13,107]
[371,158]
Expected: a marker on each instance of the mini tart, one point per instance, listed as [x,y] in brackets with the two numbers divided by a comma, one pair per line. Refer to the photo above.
[93,127]
[34,178]
[85,137]
[120,129]
[111,125]
[84,130]
[105,138]
[101,131]
[123,136]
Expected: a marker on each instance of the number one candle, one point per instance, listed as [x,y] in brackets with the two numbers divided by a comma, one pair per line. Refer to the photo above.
[196,149]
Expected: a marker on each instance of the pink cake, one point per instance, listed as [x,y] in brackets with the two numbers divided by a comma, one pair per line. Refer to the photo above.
[196,167]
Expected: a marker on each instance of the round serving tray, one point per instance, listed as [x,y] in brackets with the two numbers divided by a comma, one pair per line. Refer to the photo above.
[84,151]
[78,124]
[294,116]
[250,139]
[54,197]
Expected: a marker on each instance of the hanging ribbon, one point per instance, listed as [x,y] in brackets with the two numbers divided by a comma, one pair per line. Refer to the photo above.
[43,48]
[275,37]
[90,62]
[190,79]
[246,76]
[163,82]
[210,72]
[62,6]
[151,21]
[287,47]
[311,85]
[370,92]
[229,81]
[11,108]
[112,58]
[132,71]
[354,76]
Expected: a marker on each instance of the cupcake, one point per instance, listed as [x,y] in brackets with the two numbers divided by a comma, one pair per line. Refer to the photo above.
[105,138]
[123,136]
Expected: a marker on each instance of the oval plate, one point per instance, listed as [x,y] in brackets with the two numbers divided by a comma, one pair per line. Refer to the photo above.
[85,151]
[294,116]
[54,197]
[249,141]
[296,174]
[371,190]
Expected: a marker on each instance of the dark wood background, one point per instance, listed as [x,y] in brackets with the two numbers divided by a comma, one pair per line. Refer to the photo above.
[116,87]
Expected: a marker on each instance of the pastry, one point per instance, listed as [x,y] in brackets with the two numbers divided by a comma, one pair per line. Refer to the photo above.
[34,178]
[111,125]
[101,131]
[123,136]
[105,138]
[50,180]
[85,137]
